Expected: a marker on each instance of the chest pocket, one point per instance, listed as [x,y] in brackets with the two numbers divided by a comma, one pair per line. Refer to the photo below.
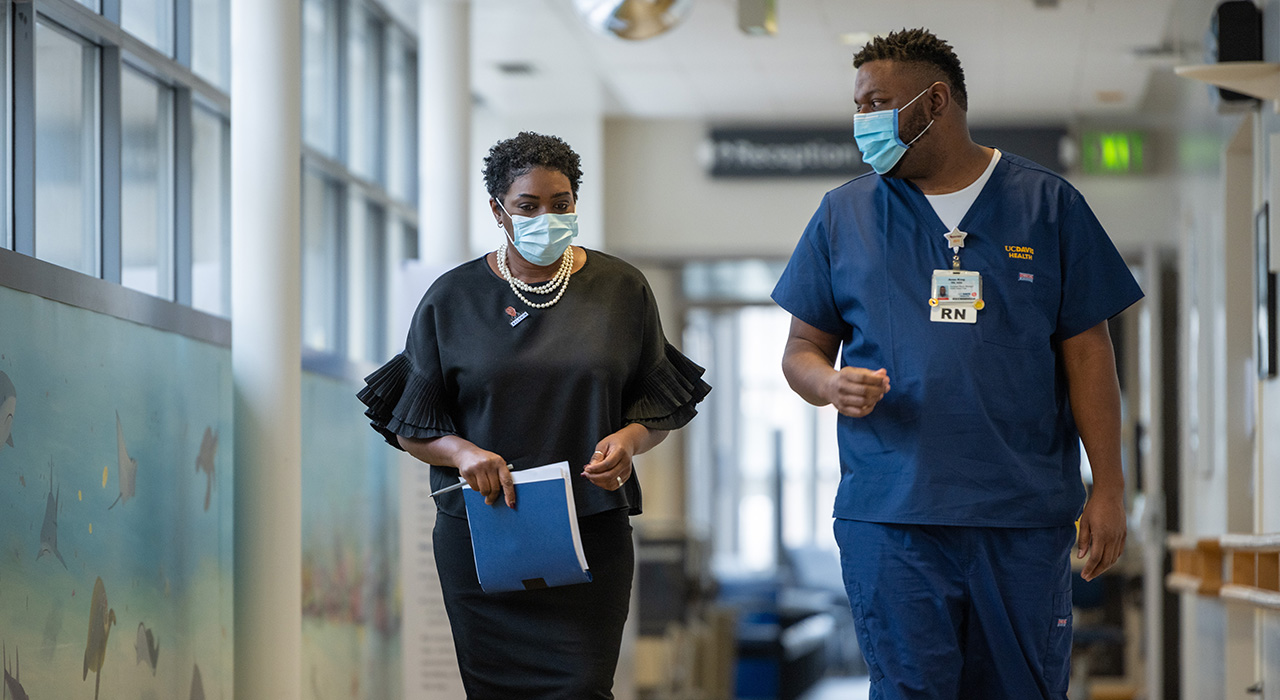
[1021,307]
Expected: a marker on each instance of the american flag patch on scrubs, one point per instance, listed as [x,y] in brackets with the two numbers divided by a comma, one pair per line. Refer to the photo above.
[1062,622]
[1026,277]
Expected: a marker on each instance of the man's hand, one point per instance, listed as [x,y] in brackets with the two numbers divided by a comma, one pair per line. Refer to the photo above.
[1102,533]
[1094,392]
[855,391]
[808,364]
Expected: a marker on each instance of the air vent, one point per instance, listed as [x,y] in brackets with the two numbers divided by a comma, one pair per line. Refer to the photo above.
[516,68]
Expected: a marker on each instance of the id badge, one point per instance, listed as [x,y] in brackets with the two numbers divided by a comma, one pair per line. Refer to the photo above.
[955,296]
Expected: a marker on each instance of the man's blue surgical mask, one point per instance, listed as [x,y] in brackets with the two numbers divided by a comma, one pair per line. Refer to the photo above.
[542,239]
[877,136]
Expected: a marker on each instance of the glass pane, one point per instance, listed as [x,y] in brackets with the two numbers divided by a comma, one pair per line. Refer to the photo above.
[210,214]
[319,263]
[96,5]
[402,148]
[366,270]
[411,127]
[320,75]
[748,281]
[66,150]
[146,185]
[377,290]
[750,433]
[211,41]
[6,135]
[150,21]
[363,75]
[409,243]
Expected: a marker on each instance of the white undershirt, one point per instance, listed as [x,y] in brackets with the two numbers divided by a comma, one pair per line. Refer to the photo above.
[952,206]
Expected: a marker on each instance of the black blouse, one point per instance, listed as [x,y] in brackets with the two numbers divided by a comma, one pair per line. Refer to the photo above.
[540,388]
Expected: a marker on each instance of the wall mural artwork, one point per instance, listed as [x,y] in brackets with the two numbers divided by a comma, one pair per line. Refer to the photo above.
[351,599]
[115,508]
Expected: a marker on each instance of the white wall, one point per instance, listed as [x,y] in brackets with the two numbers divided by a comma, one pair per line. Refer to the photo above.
[661,204]
[1135,211]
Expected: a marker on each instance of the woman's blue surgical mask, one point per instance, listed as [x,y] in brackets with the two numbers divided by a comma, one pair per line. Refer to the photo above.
[877,136]
[541,239]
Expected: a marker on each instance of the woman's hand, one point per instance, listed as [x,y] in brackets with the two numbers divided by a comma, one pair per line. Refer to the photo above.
[487,474]
[610,466]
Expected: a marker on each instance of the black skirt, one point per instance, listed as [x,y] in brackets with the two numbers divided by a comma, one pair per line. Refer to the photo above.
[547,644]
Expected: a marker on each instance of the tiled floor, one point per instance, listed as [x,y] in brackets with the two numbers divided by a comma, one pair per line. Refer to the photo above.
[858,688]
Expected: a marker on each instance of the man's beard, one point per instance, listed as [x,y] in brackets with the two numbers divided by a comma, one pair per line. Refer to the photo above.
[909,132]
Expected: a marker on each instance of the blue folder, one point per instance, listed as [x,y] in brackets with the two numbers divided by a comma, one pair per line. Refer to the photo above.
[536,544]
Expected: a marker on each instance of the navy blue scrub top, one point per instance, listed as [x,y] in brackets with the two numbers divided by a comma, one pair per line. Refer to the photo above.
[976,429]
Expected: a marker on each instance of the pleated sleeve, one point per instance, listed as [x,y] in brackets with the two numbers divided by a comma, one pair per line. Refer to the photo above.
[666,392]
[407,395]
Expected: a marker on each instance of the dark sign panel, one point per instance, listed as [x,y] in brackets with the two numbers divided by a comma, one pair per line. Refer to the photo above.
[784,153]
[1039,144]
[832,152]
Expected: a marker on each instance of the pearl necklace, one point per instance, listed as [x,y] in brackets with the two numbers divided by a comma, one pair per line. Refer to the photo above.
[561,278]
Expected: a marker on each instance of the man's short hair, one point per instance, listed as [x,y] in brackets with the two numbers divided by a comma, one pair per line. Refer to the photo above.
[918,46]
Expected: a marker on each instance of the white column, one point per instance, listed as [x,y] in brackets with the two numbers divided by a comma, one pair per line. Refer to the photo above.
[266,150]
[445,174]
[444,130]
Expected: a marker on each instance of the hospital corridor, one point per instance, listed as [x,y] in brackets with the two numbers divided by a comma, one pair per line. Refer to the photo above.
[640,349]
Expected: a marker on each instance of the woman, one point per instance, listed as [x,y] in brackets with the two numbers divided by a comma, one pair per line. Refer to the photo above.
[538,352]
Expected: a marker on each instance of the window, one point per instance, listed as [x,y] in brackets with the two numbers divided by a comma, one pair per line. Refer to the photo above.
[210,209]
[320,256]
[118,167]
[359,128]
[6,136]
[366,270]
[364,93]
[150,21]
[210,58]
[402,118]
[146,184]
[320,109]
[774,462]
[67,166]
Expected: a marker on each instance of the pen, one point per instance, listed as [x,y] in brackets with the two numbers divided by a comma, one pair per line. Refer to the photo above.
[454,487]
[447,489]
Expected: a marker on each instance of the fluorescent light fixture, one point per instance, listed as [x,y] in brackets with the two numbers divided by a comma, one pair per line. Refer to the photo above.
[858,39]
[758,17]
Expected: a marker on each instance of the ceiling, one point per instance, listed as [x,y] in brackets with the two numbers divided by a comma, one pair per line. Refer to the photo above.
[1025,61]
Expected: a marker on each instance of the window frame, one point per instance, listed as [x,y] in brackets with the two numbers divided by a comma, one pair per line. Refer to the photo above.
[117,49]
[359,194]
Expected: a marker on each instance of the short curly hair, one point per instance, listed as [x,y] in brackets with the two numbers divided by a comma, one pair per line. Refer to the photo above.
[516,156]
[918,46]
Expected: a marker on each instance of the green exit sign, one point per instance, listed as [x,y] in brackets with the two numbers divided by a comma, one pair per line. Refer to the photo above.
[1113,152]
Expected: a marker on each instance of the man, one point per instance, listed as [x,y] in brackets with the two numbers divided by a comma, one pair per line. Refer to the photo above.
[961,486]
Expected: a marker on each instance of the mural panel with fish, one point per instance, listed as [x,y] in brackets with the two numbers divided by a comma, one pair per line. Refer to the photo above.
[137,559]
[350,550]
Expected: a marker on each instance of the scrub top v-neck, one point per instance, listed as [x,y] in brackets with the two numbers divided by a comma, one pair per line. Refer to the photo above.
[976,429]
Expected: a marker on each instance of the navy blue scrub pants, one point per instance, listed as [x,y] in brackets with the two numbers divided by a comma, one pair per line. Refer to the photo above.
[950,613]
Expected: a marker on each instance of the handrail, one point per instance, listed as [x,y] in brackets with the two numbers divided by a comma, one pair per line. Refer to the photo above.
[1242,568]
